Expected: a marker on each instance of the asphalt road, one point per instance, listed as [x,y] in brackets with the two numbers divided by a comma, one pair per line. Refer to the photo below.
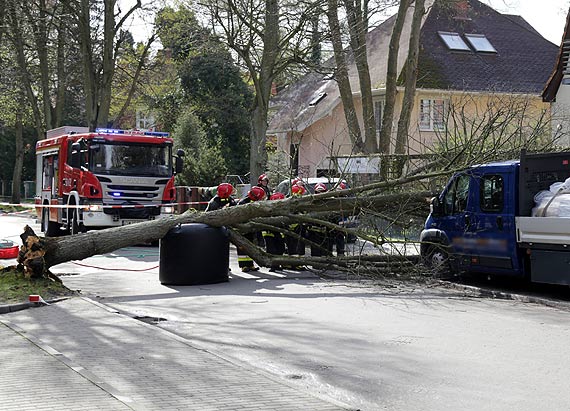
[371,345]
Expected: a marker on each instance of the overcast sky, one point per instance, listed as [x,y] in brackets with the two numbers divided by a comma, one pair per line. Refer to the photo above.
[546,16]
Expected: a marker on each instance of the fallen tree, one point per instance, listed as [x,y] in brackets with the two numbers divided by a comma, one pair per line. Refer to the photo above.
[38,254]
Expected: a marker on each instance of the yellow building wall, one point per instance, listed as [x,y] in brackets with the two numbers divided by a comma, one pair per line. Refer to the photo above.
[329,136]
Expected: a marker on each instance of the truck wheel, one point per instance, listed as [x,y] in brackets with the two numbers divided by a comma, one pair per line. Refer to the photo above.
[74,222]
[49,228]
[437,260]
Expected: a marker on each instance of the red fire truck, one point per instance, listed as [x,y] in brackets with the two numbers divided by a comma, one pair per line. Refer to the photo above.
[107,178]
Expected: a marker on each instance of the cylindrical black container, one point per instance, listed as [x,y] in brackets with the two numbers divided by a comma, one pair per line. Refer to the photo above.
[193,254]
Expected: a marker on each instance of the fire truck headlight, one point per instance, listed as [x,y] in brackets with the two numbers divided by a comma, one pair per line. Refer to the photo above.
[95,207]
[168,210]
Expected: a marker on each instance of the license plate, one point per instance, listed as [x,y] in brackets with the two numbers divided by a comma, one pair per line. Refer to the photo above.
[127,222]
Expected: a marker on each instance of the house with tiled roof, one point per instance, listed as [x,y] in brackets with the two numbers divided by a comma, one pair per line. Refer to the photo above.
[557,90]
[468,51]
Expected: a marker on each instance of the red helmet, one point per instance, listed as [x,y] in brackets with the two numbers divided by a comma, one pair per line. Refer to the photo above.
[256,193]
[262,177]
[277,196]
[297,190]
[320,188]
[225,190]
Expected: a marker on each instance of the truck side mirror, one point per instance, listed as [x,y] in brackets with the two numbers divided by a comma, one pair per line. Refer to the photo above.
[436,208]
[178,161]
[75,160]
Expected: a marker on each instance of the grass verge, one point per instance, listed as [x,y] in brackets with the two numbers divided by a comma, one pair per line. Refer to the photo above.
[15,288]
[8,208]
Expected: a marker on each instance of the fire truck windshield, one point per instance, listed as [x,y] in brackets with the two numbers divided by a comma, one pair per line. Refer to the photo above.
[130,159]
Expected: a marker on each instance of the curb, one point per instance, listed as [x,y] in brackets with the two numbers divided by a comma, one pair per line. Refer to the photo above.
[10,308]
[487,293]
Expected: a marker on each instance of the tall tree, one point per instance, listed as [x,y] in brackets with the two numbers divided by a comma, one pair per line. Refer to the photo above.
[341,76]
[357,16]
[100,39]
[411,74]
[267,36]
[213,84]
[392,78]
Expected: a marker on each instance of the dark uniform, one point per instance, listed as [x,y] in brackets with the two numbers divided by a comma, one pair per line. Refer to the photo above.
[245,262]
[296,246]
[321,236]
[217,203]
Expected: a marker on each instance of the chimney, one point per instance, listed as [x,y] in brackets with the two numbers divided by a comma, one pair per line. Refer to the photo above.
[461,10]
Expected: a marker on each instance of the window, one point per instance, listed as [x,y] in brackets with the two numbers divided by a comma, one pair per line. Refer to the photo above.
[491,196]
[317,99]
[145,121]
[453,41]
[455,200]
[378,113]
[432,114]
[480,43]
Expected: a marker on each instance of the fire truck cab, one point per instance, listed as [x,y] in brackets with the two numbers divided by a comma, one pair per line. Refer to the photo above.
[107,178]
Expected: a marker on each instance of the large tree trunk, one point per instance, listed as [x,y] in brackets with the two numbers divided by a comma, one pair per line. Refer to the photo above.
[411,76]
[357,16]
[263,82]
[18,164]
[14,19]
[341,76]
[43,253]
[89,71]
[392,79]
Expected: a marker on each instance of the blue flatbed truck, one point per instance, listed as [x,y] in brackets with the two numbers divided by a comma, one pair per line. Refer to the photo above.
[481,222]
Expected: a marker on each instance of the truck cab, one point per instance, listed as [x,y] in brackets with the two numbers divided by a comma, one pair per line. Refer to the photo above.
[486,220]
[471,226]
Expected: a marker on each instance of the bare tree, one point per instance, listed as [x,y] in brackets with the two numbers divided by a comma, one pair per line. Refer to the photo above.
[100,39]
[392,78]
[341,76]
[357,16]
[411,74]
[267,37]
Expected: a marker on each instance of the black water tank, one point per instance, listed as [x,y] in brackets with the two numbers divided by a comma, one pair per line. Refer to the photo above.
[193,254]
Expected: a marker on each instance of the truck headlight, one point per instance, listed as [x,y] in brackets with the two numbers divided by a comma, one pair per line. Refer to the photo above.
[94,207]
[168,210]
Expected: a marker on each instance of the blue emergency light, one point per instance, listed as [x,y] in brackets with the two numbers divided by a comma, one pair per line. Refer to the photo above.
[132,132]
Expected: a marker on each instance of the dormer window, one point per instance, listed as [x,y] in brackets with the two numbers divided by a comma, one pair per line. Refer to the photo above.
[480,43]
[453,41]
[317,99]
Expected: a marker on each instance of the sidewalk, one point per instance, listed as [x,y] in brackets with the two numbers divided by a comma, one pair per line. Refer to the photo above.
[80,355]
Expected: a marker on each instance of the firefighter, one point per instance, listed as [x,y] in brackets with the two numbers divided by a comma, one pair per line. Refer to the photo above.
[263,182]
[223,198]
[339,237]
[245,262]
[274,240]
[296,245]
[319,234]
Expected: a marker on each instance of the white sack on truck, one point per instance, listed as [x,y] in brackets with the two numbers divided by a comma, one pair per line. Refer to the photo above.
[554,202]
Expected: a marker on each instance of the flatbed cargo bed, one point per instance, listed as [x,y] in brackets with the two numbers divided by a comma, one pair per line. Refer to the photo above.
[543,230]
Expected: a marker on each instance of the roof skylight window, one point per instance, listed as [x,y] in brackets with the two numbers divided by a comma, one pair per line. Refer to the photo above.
[317,99]
[453,41]
[480,43]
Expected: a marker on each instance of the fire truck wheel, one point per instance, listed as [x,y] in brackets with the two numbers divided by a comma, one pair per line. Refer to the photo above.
[74,223]
[49,228]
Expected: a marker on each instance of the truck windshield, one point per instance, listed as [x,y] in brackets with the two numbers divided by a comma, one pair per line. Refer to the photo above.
[131,159]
